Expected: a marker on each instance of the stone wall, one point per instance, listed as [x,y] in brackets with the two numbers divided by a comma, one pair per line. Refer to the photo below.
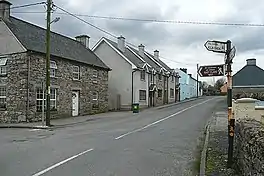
[21,107]
[256,93]
[249,147]
[160,86]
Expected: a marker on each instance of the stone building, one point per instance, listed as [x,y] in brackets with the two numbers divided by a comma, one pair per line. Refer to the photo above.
[249,81]
[79,79]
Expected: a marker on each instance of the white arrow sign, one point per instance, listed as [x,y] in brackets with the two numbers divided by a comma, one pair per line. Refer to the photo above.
[215,46]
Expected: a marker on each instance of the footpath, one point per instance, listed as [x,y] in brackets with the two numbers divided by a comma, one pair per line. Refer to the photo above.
[217,146]
[60,123]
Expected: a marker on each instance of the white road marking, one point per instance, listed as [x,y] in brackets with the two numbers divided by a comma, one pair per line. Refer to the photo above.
[161,120]
[62,162]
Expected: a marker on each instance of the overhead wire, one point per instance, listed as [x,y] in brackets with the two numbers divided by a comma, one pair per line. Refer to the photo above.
[160,21]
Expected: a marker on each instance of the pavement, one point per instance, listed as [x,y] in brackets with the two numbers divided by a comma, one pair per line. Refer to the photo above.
[156,142]
[217,151]
[59,123]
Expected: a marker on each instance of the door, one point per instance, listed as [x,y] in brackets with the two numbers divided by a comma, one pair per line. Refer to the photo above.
[75,103]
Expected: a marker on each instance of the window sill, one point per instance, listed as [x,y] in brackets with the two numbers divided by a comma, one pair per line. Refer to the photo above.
[52,110]
[142,101]
[143,80]
[76,80]
[55,77]
[3,109]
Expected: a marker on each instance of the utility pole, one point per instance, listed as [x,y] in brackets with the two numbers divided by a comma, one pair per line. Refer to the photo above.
[231,120]
[48,63]
[197,84]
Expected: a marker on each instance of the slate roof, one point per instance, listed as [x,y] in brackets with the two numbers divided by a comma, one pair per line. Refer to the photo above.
[249,75]
[129,55]
[161,63]
[33,38]
[147,59]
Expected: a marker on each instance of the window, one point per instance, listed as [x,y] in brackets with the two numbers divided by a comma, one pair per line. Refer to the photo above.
[160,76]
[3,70]
[142,95]
[171,93]
[172,78]
[95,96]
[76,72]
[159,93]
[41,97]
[143,75]
[151,77]
[53,68]
[2,97]
[95,74]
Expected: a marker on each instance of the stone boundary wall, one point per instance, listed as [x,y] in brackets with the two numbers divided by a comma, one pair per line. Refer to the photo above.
[249,147]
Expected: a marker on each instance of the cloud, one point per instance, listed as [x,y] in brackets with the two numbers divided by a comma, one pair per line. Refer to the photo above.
[182,43]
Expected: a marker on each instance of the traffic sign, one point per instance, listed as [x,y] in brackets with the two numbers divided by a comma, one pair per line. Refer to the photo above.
[215,46]
[211,70]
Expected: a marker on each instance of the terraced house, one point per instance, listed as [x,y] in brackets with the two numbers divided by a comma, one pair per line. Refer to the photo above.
[79,79]
[137,76]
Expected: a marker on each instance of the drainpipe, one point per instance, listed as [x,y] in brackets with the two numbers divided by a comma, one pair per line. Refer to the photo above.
[168,90]
[132,94]
[28,79]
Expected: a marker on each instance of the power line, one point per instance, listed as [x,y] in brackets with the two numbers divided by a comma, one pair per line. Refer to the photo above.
[25,5]
[161,21]
[75,16]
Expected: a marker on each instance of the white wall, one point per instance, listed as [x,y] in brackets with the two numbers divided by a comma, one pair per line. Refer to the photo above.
[120,78]
[8,42]
[141,85]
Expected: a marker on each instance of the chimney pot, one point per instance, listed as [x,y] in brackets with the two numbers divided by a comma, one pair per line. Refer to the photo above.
[141,50]
[83,39]
[5,9]
[251,61]
[156,54]
[121,43]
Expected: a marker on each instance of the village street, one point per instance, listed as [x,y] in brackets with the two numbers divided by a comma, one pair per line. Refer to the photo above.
[153,142]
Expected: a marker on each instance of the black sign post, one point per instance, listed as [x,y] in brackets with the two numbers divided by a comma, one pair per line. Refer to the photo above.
[218,70]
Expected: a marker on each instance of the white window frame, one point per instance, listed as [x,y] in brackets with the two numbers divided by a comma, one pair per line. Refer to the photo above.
[95,96]
[76,74]
[143,75]
[54,99]
[3,70]
[3,95]
[53,68]
[95,74]
[140,96]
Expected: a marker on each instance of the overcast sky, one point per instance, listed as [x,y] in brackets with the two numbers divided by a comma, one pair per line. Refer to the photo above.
[181,44]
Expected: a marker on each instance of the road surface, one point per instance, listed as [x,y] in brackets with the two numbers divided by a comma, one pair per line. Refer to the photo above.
[151,143]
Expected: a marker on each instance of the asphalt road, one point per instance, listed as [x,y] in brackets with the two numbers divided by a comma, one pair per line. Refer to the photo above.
[151,143]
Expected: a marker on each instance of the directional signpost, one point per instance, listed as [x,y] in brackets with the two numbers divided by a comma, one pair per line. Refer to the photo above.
[218,70]
[211,70]
[215,46]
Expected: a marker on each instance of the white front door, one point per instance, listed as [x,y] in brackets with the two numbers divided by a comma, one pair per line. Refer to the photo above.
[75,103]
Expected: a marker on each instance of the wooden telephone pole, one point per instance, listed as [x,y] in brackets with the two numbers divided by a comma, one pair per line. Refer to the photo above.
[48,63]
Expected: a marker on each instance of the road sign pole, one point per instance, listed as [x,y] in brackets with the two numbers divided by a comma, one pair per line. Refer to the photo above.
[231,121]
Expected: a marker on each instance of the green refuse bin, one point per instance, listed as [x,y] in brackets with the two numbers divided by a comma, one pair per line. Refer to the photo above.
[135,107]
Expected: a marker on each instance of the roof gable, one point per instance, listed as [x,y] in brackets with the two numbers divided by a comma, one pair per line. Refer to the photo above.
[249,75]
[33,38]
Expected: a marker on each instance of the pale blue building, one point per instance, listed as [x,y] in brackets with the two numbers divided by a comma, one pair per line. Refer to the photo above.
[188,85]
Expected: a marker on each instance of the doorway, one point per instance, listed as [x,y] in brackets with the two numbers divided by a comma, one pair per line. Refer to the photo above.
[75,103]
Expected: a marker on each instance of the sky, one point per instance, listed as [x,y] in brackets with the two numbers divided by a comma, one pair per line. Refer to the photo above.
[180,45]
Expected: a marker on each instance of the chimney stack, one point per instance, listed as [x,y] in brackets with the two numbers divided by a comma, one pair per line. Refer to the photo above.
[251,62]
[190,75]
[83,39]
[121,43]
[156,54]
[141,50]
[5,9]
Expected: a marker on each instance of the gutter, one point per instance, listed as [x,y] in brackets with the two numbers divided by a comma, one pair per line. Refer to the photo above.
[132,89]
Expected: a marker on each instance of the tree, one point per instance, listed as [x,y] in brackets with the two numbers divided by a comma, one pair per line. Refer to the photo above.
[219,83]
[205,85]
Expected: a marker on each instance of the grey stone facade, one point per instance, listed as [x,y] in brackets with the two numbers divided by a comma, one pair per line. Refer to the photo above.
[249,150]
[160,86]
[26,71]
